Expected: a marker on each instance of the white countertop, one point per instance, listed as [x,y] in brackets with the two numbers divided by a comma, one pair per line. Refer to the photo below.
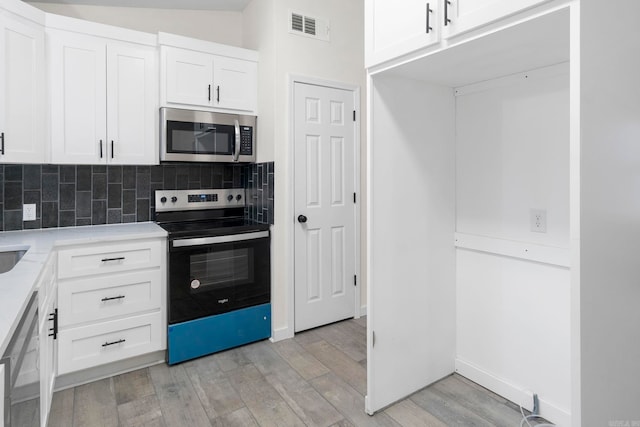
[17,285]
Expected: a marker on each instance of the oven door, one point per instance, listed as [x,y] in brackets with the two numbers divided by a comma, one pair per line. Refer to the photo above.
[214,275]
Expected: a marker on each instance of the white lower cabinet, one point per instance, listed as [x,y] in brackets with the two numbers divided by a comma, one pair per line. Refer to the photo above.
[110,303]
[97,344]
[2,381]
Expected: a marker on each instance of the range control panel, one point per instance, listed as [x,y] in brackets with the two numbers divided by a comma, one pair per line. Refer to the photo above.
[182,200]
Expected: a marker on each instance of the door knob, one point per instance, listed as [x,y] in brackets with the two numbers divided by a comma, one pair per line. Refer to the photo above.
[302,218]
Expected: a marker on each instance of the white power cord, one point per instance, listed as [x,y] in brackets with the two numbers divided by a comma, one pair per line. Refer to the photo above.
[526,418]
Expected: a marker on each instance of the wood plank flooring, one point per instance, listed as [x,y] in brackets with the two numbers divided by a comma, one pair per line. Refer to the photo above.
[317,378]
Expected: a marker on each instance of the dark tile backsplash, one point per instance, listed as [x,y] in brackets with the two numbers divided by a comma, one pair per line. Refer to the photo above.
[259,186]
[73,195]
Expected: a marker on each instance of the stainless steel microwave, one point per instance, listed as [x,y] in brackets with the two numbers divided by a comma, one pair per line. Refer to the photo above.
[203,136]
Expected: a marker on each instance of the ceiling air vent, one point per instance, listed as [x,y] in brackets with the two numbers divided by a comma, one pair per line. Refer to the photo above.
[308,26]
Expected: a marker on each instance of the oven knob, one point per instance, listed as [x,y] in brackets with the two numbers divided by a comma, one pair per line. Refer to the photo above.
[229,197]
[174,199]
[238,197]
[163,199]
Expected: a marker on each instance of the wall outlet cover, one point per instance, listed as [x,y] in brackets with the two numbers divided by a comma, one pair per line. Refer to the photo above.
[29,212]
[538,220]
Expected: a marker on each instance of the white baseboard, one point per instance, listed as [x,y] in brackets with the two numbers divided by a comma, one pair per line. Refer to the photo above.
[281,334]
[363,310]
[512,392]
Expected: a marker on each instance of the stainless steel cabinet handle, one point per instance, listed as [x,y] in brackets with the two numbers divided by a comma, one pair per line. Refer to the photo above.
[429,10]
[113,342]
[112,298]
[447,3]
[121,258]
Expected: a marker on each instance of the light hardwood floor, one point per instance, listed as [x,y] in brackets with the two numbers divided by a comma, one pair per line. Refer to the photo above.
[317,378]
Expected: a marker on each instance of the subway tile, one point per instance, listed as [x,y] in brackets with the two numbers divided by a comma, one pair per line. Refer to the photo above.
[142,210]
[83,178]
[32,225]
[114,216]
[114,197]
[194,172]
[13,173]
[170,177]
[50,169]
[143,169]
[99,169]
[128,218]
[49,214]
[156,174]
[98,212]
[30,197]
[32,177]
[83,221]
[12,220]
[142,184]
[182,182]
[83,204]
[67,196]
[67,174]
[128,202]
[67,218]
[129,177]
[49,187]
[99,186]
[12,195]
[114,174]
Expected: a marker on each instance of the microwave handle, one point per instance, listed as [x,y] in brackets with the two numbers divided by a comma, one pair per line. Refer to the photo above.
[236,150]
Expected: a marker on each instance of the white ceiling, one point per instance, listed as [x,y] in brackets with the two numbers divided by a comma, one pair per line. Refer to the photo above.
[234,5]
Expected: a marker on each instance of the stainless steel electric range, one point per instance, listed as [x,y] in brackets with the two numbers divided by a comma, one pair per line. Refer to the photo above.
[219,272]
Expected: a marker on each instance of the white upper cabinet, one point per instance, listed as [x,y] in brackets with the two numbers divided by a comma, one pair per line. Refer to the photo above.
[397,28]
[464,15]
[103,100]
[196,74]
[394,28]
[22,89]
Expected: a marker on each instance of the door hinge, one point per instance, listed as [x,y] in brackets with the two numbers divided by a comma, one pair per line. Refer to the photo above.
[354,115]
[354,197]
[355,280]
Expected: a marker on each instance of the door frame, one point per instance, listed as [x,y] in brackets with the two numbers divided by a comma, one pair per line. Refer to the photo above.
[293,79]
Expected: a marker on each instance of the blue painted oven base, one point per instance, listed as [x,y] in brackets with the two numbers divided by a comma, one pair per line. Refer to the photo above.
[211,334]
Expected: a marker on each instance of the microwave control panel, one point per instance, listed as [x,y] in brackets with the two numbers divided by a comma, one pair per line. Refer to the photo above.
[246,140]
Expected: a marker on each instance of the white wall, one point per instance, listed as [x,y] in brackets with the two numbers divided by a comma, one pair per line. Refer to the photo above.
[513,315]
[340,60]
[610,213]
[217,26]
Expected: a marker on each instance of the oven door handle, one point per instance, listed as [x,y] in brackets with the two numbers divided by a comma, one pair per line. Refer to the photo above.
[199,241]
[236,149]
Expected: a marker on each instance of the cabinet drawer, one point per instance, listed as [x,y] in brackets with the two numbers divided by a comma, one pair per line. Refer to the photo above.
[99,298]
[106,342]
[109,258]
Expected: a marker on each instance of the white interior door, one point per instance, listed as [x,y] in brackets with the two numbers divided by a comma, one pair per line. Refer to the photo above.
[325,249]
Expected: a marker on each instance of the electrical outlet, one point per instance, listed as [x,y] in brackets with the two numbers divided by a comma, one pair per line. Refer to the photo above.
[538,220]
[29,212]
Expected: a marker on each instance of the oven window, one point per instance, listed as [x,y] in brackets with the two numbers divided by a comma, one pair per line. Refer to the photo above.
[220,269]
[199,138]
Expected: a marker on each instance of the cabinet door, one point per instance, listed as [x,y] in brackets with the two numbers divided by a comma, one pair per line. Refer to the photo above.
[22,94]
[394,28]
[235,83]
[132,104]
[47,356]
[466,15]
[189,77]
[78,98]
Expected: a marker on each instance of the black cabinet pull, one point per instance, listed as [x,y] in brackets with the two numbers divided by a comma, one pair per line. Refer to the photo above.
[100,148]
[429,10]
[218,94]
[54,330]
[107,344]
[447,3]
[112,298]
[2,139]
[209,92]
[120,258]
[112,148]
